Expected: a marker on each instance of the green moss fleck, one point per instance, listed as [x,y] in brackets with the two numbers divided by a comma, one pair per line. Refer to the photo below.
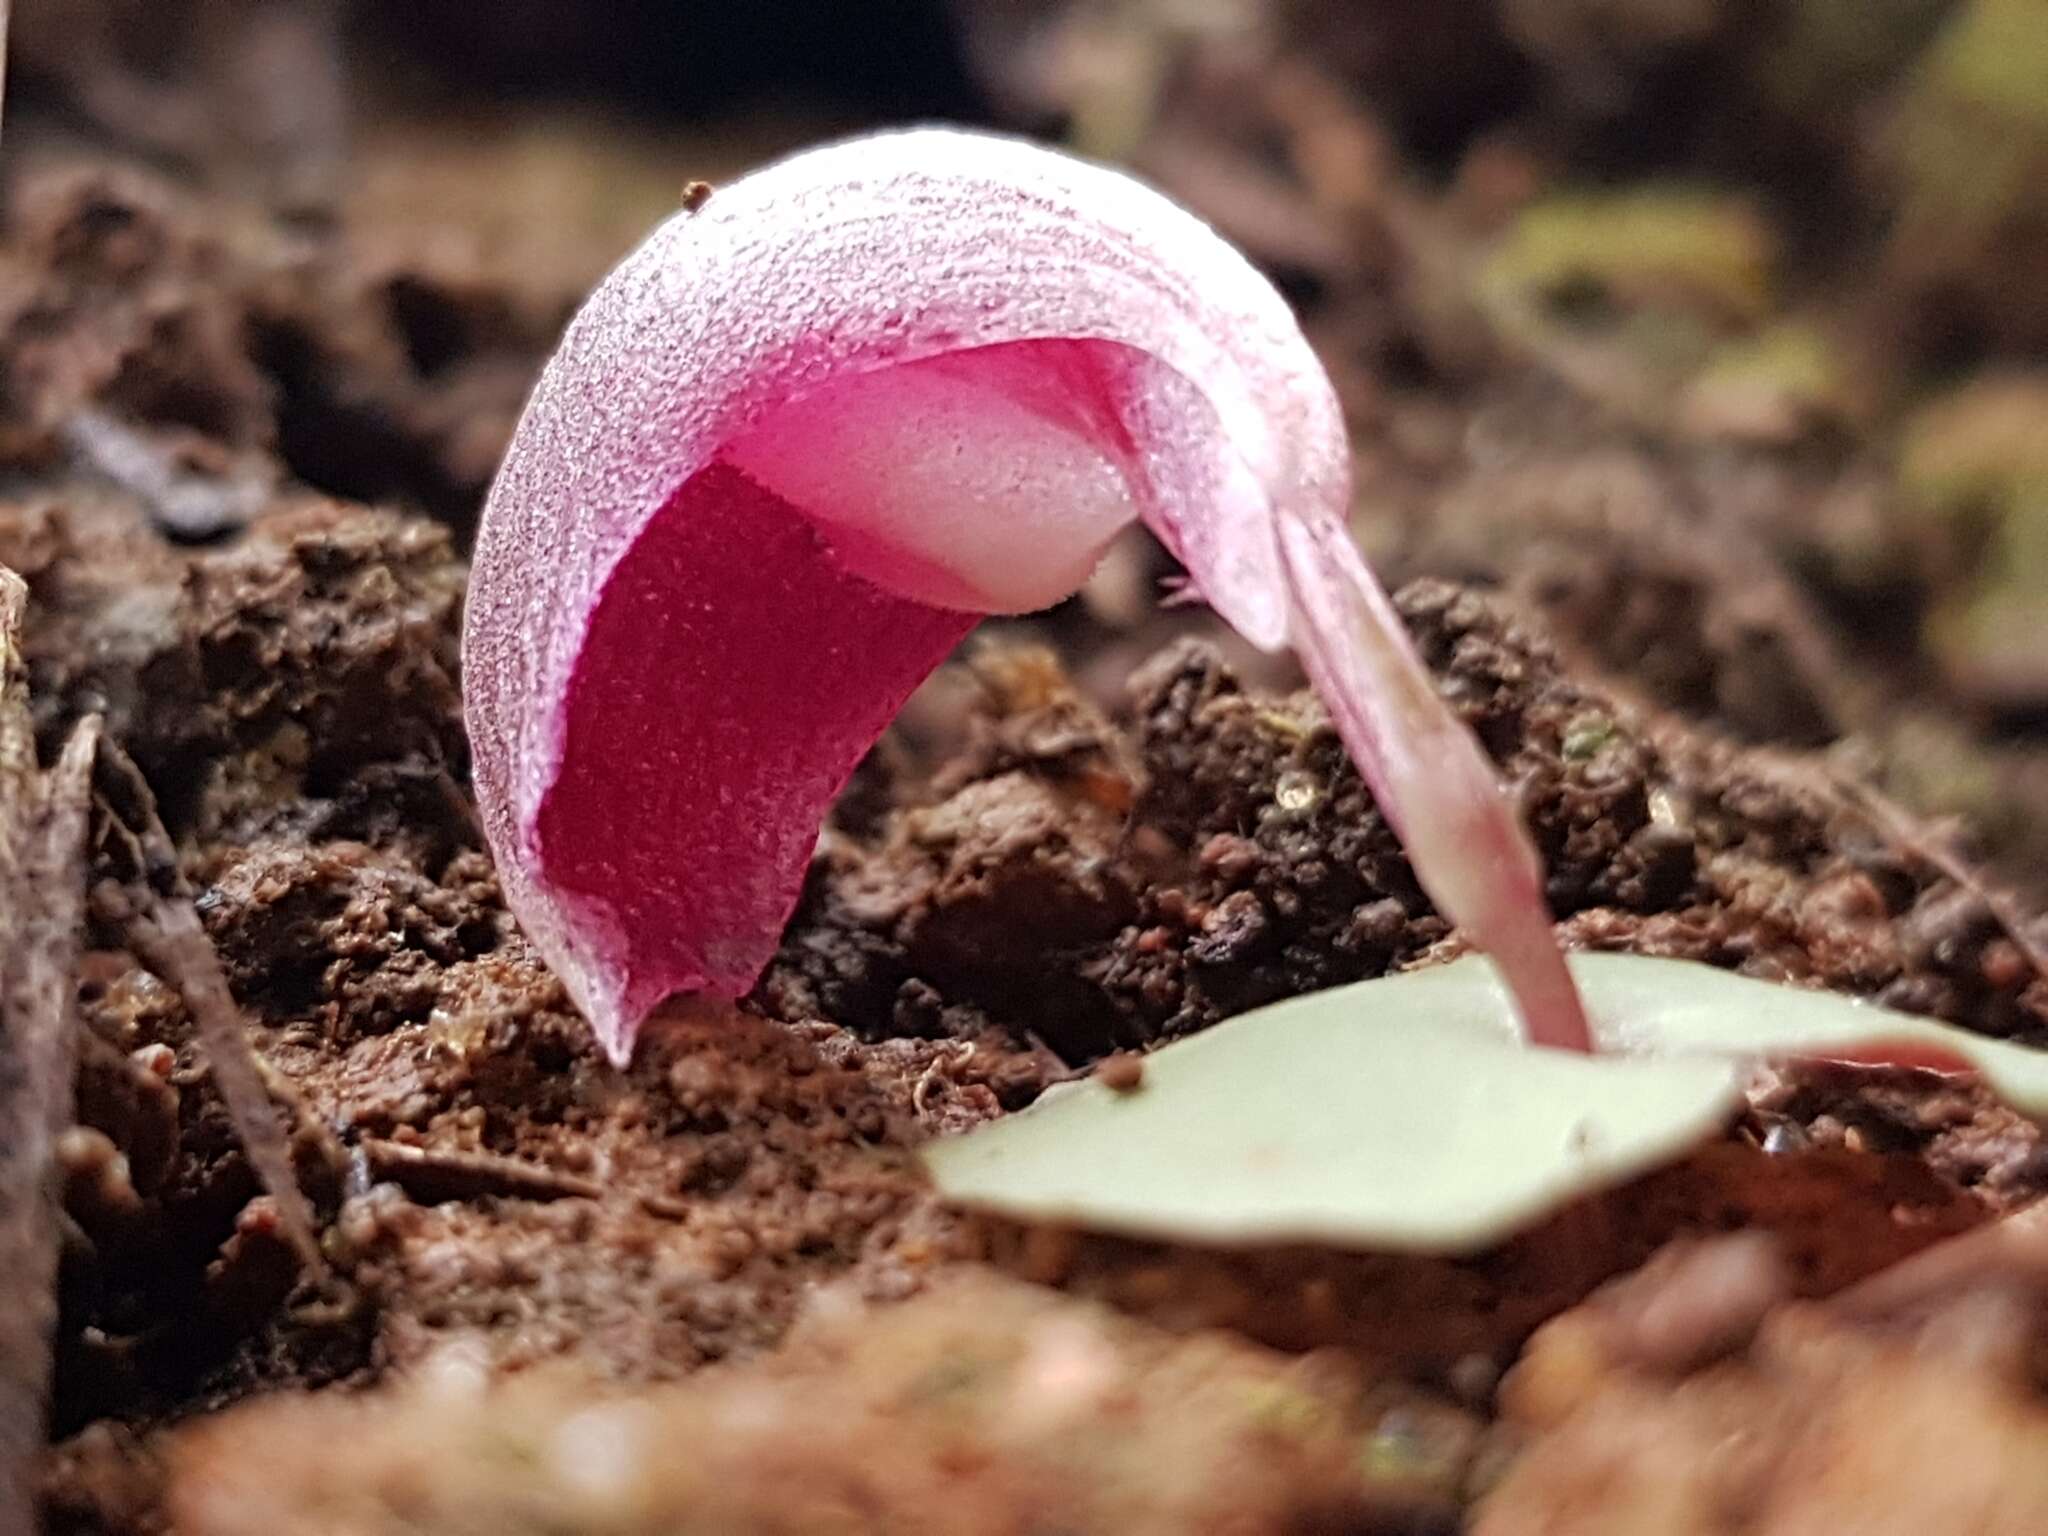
[1672,248]
[1974,473]
[1585,735]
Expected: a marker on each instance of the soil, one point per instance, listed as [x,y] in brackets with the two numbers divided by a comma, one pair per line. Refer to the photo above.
[240,460]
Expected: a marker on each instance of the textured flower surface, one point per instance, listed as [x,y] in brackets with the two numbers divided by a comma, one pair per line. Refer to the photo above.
[802,439]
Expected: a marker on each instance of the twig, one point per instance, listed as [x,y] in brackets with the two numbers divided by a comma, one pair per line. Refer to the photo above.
[1902,827]
[5,7]
[42,883]
[155,915]
[429,1176]
[943,1067]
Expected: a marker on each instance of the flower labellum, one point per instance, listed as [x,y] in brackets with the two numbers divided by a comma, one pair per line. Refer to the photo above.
[802,439]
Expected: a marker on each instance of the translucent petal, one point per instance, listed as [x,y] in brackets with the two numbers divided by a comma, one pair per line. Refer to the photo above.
[787,450]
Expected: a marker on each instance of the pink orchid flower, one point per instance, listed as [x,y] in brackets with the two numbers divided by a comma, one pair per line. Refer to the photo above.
[802,439]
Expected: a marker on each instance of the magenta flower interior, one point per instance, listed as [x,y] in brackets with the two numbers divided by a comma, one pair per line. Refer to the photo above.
[791,449]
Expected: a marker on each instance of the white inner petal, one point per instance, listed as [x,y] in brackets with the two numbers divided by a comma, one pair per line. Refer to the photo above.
[944,486]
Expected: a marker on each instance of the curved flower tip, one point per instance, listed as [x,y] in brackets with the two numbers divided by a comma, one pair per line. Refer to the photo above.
[801,440]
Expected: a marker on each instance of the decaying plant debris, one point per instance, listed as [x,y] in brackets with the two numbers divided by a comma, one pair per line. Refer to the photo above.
[44,821]
[42,892]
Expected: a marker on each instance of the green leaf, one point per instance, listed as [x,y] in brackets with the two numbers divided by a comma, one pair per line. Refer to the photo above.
[1401,1113]
[1642,1007]
[1405,1114]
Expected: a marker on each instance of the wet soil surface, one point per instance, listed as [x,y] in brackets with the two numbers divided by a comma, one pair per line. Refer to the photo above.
[193,420]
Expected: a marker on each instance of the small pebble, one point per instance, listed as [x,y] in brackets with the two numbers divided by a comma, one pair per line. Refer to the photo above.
[1121,1073]
[2003,965]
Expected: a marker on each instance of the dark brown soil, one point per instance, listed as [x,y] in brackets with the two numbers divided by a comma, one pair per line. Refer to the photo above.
[1251,864]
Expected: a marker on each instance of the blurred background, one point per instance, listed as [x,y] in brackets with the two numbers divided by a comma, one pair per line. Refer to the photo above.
[1714,329]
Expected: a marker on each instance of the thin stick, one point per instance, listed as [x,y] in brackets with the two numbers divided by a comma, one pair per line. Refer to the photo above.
[6,6]
[42,885]
[155,915]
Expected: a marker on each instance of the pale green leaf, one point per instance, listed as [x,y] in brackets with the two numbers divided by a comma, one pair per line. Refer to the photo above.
[1405,1115]
[1640,1006]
